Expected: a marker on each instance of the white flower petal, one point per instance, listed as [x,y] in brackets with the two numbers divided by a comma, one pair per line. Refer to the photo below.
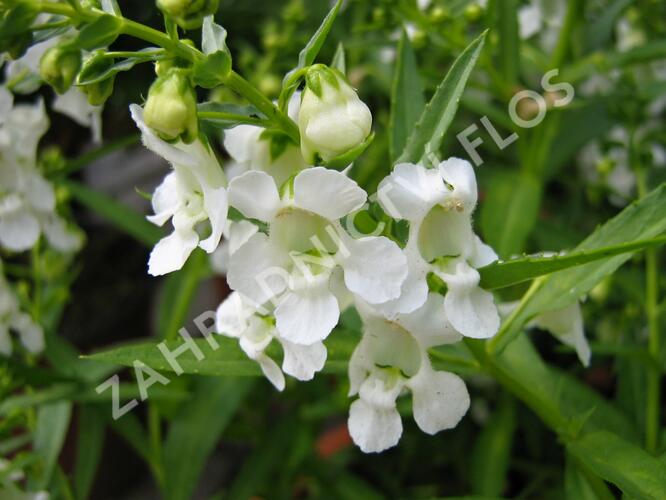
[19,231]
[271,371]
[411,191]
[303,361]
[30,333]
[328,193]
[257,271]
[75,105]
[375,268]
[171,252]
[529,20]
[482,254]
[414,290]
[307,314]
[470,309]
[372,429]
[255,195]
[460,174]
[567,325]
[231,317]
[239,142]
[216,206]
[166,200]
[429,324]
[59,236]
[439,400]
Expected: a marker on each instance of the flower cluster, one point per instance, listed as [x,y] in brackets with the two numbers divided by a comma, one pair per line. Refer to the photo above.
[295,259]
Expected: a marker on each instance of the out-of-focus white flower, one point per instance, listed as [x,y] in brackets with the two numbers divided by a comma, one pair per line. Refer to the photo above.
[193,193]
[391,359]
[24,75]
[567,325]
[438,203]
[332,119]
[13,319]
[542,17]
[27,200]
[11,492]
[239,318]
[253,149]
[628,35]
[293,264]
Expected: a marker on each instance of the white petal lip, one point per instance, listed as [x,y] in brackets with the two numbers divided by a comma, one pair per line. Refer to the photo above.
[171,252]
[256,271]
[439,400]
[307,315]
[374,269]
[372,429]
[302,362]
[470,309]
[429,324]
[255,195]
[271,371]
[231,316]
[239,141]
[328,193]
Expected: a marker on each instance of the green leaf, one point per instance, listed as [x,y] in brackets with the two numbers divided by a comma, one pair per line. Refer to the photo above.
[427,136]
[511,272]
[407,101]
[307,56]
[223,116]
[102,32]
[639,222]
[96,73]
[50,433]
[507,20]
[492,451]
[601,30]
[510,211]
[89,445]
[227,360]
[577,483]
[211,70]
[622,463]
[119,215]
[195,431]
[339,62]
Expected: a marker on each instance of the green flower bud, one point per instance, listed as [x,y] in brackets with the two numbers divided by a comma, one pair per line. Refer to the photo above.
[171,107]
[332,119]
[59,66]
[188,14]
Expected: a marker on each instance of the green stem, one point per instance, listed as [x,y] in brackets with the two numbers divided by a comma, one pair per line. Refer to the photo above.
[239,84]
[652,410]
[233,80]
[562,47]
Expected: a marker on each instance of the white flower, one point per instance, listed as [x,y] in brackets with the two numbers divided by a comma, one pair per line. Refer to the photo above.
[250,148]
[332,119]
[438,203]
[292,265]
[24,75]
[566,325]
[192,194]
[391,359]
[235,235]
[542,17]
[238,317]
[27,200]
[12,318]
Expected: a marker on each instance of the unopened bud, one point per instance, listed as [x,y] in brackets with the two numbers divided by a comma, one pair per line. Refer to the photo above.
[188,14]
[59,66]
[171,107]
[99,91]
[332,119]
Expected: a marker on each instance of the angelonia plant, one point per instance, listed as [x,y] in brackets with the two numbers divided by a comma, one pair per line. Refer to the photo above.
[303,246]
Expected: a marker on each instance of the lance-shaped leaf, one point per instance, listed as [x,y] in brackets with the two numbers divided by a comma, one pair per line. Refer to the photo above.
[643,220]
[407,101]
[427,136]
